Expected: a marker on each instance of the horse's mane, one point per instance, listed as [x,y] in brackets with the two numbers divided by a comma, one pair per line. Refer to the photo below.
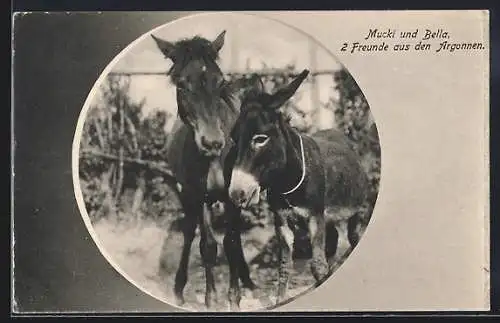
[199,48]
[229,108]
[190,49]
[196,46]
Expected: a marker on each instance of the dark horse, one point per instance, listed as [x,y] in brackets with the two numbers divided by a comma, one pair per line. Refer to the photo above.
[309,179]
[197,149]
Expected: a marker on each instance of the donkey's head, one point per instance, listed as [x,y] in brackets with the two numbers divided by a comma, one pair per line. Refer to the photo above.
[201,89]
[260,140]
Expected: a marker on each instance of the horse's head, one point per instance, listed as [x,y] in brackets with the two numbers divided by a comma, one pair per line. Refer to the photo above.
[260,141]
[200,88]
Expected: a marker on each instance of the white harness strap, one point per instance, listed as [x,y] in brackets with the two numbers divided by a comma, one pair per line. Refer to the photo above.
[303,168]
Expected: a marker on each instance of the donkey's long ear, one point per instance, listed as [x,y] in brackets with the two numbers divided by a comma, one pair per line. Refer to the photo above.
[219,41]
[284,94]
[165,47]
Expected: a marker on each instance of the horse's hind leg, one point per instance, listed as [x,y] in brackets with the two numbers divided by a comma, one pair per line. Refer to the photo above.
[208,251]
[317,233]
[188,230]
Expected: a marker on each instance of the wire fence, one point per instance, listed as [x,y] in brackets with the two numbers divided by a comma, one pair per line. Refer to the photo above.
[286,73]
[261,72]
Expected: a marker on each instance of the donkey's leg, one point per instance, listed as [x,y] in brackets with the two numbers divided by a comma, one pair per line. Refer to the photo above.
[188,230]
[354,230]
[285,237]
[357,226]
[317,233]
[208,251]
[232,247]
[343,244]
[340,218]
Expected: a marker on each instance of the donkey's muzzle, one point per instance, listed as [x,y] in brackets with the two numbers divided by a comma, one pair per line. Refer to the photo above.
[212,147]
[244,189]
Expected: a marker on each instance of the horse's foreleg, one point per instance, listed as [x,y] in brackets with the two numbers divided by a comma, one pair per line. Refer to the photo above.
[188,230]
[208,251]
[317,234]
[232,247]
[243,270]
[285,237]
[234,292]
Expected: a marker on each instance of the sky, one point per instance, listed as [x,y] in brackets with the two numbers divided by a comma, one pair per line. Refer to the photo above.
[249,41]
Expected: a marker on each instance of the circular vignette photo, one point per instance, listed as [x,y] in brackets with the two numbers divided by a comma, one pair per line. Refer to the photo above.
[219,169]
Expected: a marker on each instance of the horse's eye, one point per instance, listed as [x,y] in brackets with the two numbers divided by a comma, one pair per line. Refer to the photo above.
[183,85]
[260,140]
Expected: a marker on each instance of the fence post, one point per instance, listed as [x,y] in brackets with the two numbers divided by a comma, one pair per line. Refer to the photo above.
[315,104]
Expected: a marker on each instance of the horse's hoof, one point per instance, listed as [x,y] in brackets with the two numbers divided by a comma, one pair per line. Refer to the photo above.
[233,307]
[210,301]
[250,285]
[234,296]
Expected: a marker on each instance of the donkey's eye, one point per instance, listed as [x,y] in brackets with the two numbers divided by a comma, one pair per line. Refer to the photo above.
[260,140]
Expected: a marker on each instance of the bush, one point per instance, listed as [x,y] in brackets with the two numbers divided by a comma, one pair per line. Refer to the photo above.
[352,115]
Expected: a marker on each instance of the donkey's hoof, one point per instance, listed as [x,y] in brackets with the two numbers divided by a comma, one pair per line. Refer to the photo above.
[320,270]
[280,299]
[234,298]
[179,299]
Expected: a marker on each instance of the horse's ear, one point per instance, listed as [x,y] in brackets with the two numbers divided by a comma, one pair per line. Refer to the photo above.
[284,94]
[219,41]
[165,47]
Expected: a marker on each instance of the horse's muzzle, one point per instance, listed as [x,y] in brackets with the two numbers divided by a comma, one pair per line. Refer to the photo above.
[211,148]
[244,189]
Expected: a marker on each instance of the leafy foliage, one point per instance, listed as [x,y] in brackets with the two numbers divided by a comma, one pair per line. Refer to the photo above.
[352,115]
[117,126]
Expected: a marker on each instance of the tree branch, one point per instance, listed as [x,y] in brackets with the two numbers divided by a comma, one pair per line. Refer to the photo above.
[99,132]
[160,167]
[263,72]
[133,132]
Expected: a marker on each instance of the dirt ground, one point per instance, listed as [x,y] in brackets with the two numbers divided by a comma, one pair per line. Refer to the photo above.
[137,248]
